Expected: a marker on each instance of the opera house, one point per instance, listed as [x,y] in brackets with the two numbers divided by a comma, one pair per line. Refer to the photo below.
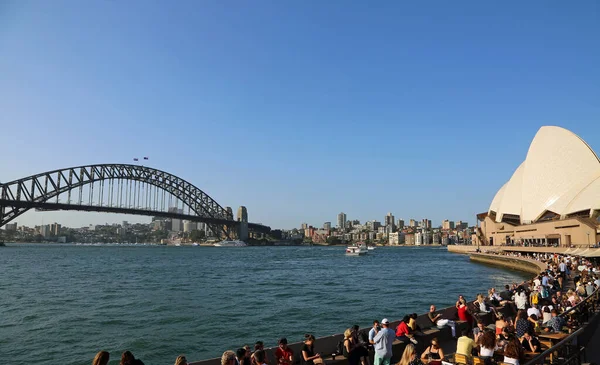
[552,198]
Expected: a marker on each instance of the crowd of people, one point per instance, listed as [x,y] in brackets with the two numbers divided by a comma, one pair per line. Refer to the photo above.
[540,306]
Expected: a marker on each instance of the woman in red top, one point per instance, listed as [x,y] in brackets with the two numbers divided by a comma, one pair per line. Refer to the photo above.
[463,312]
[284,354]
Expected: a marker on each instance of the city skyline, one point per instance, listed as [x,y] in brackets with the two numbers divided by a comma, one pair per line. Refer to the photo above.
[297,111]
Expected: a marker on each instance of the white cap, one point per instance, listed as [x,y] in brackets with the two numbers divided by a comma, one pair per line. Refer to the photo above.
[385,321]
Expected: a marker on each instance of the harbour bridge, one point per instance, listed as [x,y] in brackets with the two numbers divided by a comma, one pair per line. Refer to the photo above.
[121,188]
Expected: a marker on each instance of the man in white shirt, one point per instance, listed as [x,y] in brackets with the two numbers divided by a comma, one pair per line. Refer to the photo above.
[374,331]
[534,310]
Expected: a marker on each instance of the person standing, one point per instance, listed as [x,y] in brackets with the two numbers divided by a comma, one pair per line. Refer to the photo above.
[374,331]
[383,343]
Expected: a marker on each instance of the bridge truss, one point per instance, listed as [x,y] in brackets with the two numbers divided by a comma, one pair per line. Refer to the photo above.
[117,188]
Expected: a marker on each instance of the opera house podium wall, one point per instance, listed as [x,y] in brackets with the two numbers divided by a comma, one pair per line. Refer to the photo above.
[552,198]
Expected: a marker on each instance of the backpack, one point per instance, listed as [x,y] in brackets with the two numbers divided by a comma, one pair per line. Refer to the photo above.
[535,298]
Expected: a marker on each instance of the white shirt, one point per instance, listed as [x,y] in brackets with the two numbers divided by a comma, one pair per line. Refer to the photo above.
[521,301]
[486,352]
[535,311]
[510,360]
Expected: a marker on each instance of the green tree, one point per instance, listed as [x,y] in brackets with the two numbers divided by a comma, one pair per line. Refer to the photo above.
[332,240]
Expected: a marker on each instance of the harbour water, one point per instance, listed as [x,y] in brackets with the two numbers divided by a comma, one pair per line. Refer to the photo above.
[61,304]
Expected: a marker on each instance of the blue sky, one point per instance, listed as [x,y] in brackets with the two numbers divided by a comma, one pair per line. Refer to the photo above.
[298,109]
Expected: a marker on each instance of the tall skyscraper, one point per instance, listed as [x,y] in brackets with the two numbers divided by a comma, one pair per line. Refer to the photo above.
[389,221]
[327,226]
[341,220]
[412,223]
[304,226]
[176,225]
[447,225]
[400,223]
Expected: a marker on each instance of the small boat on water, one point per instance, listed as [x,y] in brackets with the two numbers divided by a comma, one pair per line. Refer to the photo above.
[357,250]
[195,244]
[370,248]
[230,243]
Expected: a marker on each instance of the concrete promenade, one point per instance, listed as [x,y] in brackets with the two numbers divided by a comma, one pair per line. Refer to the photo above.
[327,345]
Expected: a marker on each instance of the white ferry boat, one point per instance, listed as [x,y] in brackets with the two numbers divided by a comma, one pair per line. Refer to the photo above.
[357,250]
[230,243]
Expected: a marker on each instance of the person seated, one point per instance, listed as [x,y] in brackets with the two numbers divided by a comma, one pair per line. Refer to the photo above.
[482,305]
[101,358]
[464,344]
[283,354]
[412,324]
[531,343]
[433,354]
[437,320]
[487,344]
[513,352]
[500,323]
[409,356]
[494,298]
[546,315]
[478,331]
[127,358]
[403,332]
[556,323]
[463,312]
[534,310]
[181,360]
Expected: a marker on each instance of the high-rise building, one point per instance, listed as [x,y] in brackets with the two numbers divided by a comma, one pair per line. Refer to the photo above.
[412,223]
[176,225]
[341,220]
[304,226]
[460,225]
[189,226]
[327,226]
[373,225]
[54,229]
[425,223]
[390,221]
[447,225]
[400,223]
[11,227]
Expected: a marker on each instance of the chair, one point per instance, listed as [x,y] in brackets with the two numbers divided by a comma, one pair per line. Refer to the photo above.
[478,361]
[461,359]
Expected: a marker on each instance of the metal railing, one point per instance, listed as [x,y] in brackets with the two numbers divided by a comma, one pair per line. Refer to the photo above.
[571,349]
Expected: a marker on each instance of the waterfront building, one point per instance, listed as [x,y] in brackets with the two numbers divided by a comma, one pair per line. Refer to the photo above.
[460,225]
[447,225]
[552,198]
[176,225]
[327,226]
[55,229]
[396,238]
[372,235]
[341,220]
[373,225]
[400,224]
[418,238]
[189,226]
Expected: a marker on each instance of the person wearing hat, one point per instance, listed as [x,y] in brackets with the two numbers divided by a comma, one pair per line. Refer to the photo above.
[284,354]
[383,343]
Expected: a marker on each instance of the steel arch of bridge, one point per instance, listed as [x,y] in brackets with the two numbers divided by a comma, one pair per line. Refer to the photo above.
[18,196]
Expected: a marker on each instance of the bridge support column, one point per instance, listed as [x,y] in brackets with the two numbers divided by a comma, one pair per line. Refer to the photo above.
[243,231]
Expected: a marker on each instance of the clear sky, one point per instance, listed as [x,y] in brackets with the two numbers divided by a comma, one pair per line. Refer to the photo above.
[298,109]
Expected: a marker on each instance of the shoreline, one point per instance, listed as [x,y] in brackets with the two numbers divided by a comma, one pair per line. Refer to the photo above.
[327,344]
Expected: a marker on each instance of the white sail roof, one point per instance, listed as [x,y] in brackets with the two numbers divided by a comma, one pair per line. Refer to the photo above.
[561,174]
